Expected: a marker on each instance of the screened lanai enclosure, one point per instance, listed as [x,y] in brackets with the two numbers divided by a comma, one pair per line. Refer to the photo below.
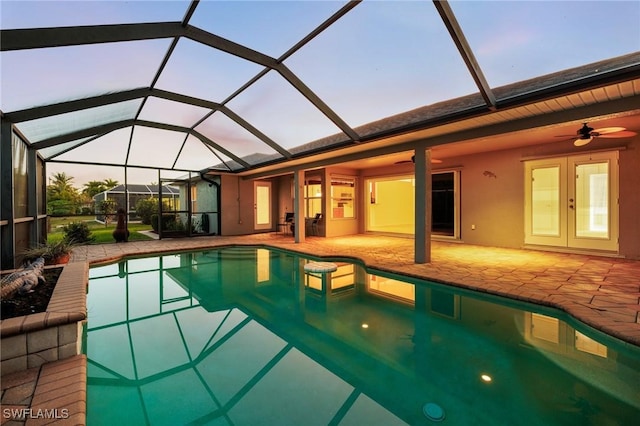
[199,90]
[127,198]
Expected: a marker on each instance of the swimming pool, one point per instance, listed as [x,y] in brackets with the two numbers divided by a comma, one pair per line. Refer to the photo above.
[244,336]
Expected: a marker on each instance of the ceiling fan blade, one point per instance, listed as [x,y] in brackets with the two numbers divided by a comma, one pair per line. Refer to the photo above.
[582,142]
[620,134]
[605,130]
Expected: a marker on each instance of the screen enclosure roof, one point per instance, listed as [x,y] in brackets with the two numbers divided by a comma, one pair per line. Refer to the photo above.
[240,86]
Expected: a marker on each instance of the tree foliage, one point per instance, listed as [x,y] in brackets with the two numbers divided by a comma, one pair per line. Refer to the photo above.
[94,187]
[107,208]
[145,208]
[62,197]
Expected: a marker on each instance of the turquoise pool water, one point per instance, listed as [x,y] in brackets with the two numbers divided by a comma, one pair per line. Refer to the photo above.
[244,336]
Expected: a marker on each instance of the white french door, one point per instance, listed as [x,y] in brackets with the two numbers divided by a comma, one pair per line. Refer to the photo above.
[262,205]
[573,201]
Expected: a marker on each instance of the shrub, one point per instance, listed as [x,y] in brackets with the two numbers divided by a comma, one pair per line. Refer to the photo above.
[49,251]
[168,222]
[145,209]
[77,233]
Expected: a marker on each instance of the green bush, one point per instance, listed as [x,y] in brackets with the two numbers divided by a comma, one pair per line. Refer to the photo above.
[145,209]
[77,233]
[168,222]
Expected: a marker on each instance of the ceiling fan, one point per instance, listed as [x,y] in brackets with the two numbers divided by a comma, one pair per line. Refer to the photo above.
[413,160]
[586,134]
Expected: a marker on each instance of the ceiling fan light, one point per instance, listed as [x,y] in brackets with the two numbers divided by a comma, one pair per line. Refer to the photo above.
[583,141]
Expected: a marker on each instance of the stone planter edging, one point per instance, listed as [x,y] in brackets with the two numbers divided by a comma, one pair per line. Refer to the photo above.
[32,340]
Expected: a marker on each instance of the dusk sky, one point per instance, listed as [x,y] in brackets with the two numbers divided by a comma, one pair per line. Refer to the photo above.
[382,58]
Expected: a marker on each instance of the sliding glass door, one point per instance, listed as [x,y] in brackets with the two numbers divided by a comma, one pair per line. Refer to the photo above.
[391,204]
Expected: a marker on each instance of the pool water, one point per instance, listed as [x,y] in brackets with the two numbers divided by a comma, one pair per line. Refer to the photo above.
[244,336]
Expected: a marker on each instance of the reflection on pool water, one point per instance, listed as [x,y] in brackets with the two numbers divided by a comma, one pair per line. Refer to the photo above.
[244,336]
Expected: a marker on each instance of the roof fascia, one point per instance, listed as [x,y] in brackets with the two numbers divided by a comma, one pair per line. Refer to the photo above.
[594,110]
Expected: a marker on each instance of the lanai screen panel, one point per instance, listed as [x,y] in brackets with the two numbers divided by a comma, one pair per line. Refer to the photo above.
[107,149]
[276,108]
[195,155]
[270,27]
[154,147]
[518,40]
[171,112]
[383,58]
[204,72]
[63,124]
[38,77]
[235,139]
[41,14]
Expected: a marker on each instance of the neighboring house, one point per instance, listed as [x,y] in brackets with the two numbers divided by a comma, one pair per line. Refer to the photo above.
[135,192]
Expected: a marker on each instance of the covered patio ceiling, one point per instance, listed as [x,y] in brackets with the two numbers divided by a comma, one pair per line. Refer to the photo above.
[259,88]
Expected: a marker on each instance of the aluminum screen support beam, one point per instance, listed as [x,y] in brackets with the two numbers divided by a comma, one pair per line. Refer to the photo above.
[450,21]
[7,230]
[38,38]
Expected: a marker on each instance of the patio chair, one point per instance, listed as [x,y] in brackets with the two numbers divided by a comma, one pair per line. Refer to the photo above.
[286,224]
[315,223]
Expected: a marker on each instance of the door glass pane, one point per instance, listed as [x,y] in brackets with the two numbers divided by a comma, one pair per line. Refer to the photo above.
[545,201]
[262,205]
[443,204]
[592,200]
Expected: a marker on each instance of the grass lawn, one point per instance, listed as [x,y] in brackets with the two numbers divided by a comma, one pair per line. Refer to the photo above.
[101,233]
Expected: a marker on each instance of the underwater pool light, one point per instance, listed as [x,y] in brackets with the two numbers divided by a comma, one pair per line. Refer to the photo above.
[365,325]
[486,378]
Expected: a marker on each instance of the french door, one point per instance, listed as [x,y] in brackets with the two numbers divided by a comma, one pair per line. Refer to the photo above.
[573,201]
[262,205]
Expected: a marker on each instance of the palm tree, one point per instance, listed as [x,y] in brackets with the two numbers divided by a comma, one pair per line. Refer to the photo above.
[110,183]
[62,197]
[94,187]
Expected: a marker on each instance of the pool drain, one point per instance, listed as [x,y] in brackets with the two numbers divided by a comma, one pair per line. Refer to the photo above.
[433,412]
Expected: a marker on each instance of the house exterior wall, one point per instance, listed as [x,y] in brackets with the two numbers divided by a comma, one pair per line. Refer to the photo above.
[630,200]
[237,208]
[334,227]
[491,199]
[237,212]
[492,192]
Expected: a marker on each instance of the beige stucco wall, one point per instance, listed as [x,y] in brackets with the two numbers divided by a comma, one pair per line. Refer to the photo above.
[492,199]
[341,226]
[237,205]
[630,199]
[492,195]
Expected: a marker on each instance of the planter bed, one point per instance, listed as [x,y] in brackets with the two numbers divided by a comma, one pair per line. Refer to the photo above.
[33,340]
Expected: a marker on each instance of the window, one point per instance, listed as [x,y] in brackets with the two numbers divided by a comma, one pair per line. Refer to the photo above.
[342,197]
[312,196]
[194,198]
